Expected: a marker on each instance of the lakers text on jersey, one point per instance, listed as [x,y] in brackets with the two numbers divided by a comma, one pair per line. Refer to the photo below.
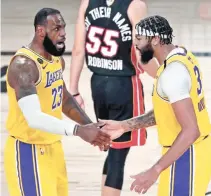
[50,92]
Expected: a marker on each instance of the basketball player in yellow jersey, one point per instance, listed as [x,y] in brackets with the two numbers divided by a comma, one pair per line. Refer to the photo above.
[34,158]
[180,114]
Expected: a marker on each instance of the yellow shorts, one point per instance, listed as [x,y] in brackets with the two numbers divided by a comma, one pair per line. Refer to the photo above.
[35,170]
[190,174]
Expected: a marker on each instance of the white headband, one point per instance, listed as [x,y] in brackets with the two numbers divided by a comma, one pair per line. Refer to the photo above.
[142,31]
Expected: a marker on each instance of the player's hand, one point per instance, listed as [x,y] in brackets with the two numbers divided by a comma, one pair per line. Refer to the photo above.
[111,127]
[93,135]
[80,101]
[143,181]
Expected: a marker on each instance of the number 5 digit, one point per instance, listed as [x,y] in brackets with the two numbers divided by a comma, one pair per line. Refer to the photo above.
[197,73]
[94,45]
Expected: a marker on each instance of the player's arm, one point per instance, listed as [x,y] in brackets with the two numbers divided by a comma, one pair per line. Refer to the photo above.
[142,121]
[22,77]
[176,86]
[136,12]
[78,51]
[116,128]
[71,108]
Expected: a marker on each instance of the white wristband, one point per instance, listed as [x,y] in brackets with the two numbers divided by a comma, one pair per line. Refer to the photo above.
[30,106]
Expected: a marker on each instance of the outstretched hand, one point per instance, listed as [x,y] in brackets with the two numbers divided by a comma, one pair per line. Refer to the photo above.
[111,127]
[143,181]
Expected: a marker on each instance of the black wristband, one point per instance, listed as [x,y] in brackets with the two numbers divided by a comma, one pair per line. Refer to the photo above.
[75,95]
[75,130]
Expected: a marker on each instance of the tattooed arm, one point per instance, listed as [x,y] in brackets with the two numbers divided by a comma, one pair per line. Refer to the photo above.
[116,128]
[22,77]
[71,108]
[143,121]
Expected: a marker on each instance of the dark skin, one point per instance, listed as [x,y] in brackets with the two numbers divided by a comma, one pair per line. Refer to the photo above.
[145,120]
[23,75]
[184,113]
[71,108]
[117,128]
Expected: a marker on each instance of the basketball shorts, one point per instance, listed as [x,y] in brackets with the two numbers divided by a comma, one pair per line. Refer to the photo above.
[119,98]
[35,170]
[190,174]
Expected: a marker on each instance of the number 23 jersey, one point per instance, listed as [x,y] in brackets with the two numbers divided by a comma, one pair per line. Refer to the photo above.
[50,92]
[109,38]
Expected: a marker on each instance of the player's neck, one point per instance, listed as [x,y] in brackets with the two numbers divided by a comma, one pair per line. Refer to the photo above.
[162,53]
[39,49]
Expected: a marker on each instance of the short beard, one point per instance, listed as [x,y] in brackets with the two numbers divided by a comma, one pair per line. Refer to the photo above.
[147,53]
[51,48]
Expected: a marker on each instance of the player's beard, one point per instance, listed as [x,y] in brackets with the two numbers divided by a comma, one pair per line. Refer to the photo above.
[51,48]
[147,53]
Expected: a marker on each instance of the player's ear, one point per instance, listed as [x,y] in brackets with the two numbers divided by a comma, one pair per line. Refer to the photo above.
[155,41]
[40,30]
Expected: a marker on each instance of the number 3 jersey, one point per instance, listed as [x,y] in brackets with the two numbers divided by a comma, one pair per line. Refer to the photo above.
[50,92]
[109,38]
[167,124]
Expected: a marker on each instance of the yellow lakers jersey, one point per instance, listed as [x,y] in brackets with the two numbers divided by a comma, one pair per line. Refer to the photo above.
[50,92]
[167,124]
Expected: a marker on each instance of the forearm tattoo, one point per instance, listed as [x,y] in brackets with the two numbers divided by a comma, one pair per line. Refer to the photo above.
[143,121]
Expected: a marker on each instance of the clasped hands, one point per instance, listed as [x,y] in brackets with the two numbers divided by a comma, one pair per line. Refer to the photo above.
[101,133]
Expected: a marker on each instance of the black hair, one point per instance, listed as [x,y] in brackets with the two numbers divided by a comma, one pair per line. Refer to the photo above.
[41,16]
[157,25]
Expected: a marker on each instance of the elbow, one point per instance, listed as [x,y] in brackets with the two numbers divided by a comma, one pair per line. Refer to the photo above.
[33,121]
[196,134]
[191,134]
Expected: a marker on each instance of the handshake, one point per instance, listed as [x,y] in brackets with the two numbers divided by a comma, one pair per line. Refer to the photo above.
[101,133]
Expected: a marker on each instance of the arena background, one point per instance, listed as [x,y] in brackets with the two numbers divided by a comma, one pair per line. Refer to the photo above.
[191,20]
